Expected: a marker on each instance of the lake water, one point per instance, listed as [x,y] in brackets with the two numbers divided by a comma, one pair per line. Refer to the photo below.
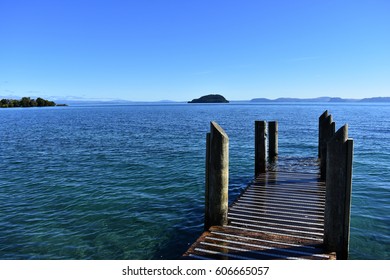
[127,182]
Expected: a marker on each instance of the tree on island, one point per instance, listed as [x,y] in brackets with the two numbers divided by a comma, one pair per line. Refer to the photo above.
[26,102]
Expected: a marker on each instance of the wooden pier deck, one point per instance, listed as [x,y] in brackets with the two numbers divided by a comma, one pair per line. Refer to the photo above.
[280,215]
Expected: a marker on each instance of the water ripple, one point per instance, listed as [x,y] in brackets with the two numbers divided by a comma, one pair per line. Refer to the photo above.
[127,182]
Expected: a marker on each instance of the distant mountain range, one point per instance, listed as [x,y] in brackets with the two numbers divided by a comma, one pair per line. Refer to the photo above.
[81,101]
[376,99]
[322,99]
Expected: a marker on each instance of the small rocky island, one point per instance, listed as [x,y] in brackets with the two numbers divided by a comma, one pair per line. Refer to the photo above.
[211,98]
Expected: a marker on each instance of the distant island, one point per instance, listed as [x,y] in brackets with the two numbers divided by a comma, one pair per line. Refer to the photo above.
[27,102]
[211,98]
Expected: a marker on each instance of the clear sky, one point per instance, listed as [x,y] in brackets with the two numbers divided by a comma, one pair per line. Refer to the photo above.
[150,50]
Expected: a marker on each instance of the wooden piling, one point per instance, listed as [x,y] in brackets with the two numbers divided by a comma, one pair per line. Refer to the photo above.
[338,193]
[327,131]
[217,177]
[260,147]
[272,139]
[320,120]
[207,188]
[348,199]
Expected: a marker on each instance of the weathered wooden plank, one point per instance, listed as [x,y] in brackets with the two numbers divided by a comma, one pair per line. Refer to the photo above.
[267,250]
[267,240]
[278,214]
[261,196]
[281,235]
[265,202]
[290,194]
[275,222]
[276,219]
[277,209]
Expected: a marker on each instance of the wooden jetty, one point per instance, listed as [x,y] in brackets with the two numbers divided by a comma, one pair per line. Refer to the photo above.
[280,215]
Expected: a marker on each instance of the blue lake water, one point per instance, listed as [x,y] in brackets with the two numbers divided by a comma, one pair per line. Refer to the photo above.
[127,182]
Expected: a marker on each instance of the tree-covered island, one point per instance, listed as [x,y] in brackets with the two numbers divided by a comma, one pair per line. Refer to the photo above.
[211,98]
[26,102]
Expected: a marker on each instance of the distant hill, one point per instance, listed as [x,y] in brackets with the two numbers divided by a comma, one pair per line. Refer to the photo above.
[261,100]
[376,99]
[337,99]
[288,99]
[211,98]
[322,99]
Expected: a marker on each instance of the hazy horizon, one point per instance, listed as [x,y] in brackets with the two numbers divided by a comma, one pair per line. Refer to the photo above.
[80,99]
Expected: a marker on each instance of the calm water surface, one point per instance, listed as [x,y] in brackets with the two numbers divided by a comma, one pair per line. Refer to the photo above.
[127,182]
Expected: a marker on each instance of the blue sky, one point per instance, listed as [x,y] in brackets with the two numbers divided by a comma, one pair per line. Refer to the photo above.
[153,50]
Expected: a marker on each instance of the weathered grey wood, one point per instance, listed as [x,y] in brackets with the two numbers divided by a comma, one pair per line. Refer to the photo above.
[327,130]
[218,176]
[338,193]
[272,139]
[206,206]
[348,195]
[260,147]
[320,120]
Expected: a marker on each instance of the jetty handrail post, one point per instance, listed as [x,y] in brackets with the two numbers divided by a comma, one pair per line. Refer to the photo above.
[260,147]
[338,193]
[272,140]
[217,177]
[326,132]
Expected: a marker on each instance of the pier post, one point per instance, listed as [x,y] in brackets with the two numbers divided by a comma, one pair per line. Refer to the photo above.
[207,188]
[320,120]
[338,193]
[272,139]
[217,177]
[326,132]
[260,147]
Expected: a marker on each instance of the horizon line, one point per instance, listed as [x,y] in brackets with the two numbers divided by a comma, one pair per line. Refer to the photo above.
[266,99]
